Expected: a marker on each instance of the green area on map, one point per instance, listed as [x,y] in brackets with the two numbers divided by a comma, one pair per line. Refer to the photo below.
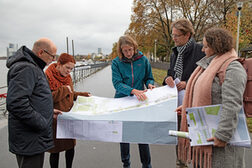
[199,141]
[192,118]
[212,110]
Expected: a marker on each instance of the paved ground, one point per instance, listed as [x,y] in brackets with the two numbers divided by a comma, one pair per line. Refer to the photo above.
[91,154]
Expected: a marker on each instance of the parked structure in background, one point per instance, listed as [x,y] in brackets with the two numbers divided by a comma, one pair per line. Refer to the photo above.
[12,49]
[246,52]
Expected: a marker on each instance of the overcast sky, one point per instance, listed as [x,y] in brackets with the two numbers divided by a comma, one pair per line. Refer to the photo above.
[92,24]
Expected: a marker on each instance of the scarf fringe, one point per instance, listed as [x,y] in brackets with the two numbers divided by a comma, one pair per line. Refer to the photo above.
[197,156]
[202,96]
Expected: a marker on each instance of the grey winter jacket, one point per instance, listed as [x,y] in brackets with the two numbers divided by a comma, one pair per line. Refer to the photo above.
[230,95]
[30,104]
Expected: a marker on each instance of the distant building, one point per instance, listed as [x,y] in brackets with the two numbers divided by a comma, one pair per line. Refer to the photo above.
[12,49]
[99,51]
[100,54]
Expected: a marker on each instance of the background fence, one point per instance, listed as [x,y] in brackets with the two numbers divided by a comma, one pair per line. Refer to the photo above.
[160,65]
[82,71]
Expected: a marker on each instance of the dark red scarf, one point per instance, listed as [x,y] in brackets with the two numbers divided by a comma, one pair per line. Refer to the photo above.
[55,79]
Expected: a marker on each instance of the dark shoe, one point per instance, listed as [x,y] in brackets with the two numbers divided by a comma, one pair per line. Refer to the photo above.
[179,164]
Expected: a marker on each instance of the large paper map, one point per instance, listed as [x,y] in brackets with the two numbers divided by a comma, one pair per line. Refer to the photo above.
[122,119]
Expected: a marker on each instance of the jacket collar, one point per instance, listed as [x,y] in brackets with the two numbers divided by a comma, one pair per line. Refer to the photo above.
[25,54]
[189,48]
[205,61]
[135,57]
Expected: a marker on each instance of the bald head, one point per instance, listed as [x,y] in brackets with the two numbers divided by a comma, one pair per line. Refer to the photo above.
[43,44]
[45,49]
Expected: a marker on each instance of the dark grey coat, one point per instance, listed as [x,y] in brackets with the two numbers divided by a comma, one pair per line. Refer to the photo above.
[190,56]
[30,104]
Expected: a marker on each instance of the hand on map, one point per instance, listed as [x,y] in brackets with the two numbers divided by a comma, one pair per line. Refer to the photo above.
[139,94]
[69,88]
[150,86]
[56,112]
[217,142]
[169,81]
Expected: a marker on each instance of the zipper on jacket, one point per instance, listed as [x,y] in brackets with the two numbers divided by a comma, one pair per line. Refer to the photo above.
[132,74]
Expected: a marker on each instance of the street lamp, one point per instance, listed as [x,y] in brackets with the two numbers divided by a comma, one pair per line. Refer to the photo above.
[239,7]
[155,51]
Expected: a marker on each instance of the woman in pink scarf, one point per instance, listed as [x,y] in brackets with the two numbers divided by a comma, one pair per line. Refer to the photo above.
[204,88]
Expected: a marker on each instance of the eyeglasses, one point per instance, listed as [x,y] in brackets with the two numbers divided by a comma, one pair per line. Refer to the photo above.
[53,56]
[177,35]
[130,50]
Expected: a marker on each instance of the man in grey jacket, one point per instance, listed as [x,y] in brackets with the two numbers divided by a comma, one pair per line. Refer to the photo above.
[30,104]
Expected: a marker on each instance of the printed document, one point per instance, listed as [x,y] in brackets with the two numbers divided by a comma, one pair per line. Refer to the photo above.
[122,119]
[203,122]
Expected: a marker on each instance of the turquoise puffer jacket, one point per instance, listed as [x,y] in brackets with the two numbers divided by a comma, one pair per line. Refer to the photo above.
[131,74]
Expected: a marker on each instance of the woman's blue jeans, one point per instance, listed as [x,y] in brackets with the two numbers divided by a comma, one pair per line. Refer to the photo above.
[144,155]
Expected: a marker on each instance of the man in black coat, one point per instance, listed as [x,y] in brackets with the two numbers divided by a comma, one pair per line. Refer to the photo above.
[183,58]
[30,104]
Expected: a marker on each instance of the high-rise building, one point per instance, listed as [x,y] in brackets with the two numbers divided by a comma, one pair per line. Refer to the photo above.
[12,49]
[99,51]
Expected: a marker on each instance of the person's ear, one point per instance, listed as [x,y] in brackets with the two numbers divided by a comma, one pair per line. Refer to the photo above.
[40,52]
[188,34]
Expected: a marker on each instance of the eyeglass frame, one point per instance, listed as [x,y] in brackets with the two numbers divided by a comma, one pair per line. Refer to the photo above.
[176,35]
[53,56]
[130,50]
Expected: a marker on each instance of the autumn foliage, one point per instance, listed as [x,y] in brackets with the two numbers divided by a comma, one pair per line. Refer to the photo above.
[151,22]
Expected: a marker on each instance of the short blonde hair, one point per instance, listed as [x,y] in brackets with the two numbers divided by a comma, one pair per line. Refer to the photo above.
[183,25]
[126,40]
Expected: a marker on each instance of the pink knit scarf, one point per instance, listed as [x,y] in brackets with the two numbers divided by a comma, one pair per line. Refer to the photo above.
[198,93]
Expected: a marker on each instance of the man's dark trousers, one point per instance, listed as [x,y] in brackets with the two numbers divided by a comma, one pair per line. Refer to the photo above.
[34,161]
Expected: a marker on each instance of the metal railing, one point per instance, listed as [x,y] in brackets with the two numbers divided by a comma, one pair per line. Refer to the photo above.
[3,95]
[82,71]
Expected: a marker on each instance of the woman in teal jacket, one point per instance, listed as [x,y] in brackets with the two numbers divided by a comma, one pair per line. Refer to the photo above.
[131,70]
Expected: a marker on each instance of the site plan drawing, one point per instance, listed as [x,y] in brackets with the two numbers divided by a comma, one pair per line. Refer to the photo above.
[203,122]
[122,119]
